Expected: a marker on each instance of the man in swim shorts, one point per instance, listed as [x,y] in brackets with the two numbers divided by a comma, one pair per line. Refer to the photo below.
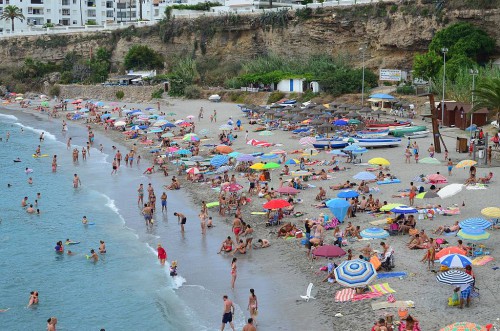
[249,326]
[181,219]
[227,316]
[148,214]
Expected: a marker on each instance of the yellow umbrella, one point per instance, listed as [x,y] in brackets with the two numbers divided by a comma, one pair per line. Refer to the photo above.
[379,161]
[257,166]
[465,163]
[390,206]
[493,212]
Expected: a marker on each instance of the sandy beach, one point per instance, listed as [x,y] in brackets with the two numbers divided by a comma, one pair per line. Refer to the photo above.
[286,265]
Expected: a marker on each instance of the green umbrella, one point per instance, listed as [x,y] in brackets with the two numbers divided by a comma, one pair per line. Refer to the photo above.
[171,114]
[429,160]
[45,104]
[354,121]
[271,165]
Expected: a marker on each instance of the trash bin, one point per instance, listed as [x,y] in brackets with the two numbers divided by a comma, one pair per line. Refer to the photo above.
[481,154]
[462,146]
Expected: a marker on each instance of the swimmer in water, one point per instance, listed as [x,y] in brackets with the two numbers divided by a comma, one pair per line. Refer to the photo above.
[70,253]
[84,220]
[30,181]
[76,181]
[17,160]
[24,202]
[93,256]
[39,195]
[30,209]
[28,170]
[33,298]
[102,247]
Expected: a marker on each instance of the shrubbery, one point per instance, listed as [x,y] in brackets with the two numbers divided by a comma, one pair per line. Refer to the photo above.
[192,92]
[120,94]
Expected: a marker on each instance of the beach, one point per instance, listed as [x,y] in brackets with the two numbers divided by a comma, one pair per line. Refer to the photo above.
[279,274]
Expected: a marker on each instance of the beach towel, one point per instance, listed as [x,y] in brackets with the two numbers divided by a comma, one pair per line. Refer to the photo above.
[379,222]
[482,260]
[476,187]
[382,288]
[449,234]
[392,181]
[364,296]
[397,304]
[344,295]
[258,213]
[384,275]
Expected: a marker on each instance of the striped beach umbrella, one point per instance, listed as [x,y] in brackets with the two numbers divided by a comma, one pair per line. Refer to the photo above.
[223,169]
[493,212]
[473,234]
[475,222]
[463,326]
[347,194]
[455,261]
[292,162]
[193,171]
[219,160]
[374,233]
[465,163]
[355,273]
[404,210]
[454,277]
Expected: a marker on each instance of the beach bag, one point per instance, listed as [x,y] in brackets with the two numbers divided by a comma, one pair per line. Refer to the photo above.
[454,300]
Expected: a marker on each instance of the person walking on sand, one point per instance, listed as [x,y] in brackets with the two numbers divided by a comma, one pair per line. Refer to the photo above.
[413,193]
[407,155]
[431,150]
[227,316]
[181,219]
[76,181]
[234,272]
[162,254]
[450,166]
[252,304]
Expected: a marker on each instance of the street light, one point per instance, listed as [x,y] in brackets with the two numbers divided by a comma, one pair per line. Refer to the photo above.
[474,73]
[444,50]
[363,49]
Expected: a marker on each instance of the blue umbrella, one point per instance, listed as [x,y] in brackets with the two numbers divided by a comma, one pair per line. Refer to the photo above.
[347,194]
[475,222]
[352,147]
[404,210]
[223,169]
[337,152]
[355,273]
[454,277]
[234,154]
[183,152]
[143,127]
[105,116]
[168,125]
[455,261]
[340,123]
[219,160]
[245,158]
[99,103]
[374,233]
[150,108]
[364,175]
[338,207]
[135,127]
[269,156]
[473,127]
[77,116]
[382,96]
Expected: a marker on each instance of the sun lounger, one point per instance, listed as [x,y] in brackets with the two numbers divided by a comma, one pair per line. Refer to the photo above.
[392,181]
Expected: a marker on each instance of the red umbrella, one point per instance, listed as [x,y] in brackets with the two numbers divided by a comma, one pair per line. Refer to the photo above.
[287,190]
[234,187]
[276,204]
[438,179]
[329,251]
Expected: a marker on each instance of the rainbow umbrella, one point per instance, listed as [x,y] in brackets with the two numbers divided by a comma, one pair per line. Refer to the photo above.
[463,326]
[473,234]
[465,163]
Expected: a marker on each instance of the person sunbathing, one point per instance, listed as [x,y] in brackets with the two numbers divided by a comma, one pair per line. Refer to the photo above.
[285,229]
[486,180]
[320,205]
[470,181]
[447,229]
[345,185]
[321,195]
[416,243]
[318,235]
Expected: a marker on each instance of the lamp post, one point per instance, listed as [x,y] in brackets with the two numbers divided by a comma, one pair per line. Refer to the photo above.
[474,73]
[444,50]
[363,49]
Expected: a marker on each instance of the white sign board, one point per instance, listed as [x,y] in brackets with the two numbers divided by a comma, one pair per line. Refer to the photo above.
[390,74]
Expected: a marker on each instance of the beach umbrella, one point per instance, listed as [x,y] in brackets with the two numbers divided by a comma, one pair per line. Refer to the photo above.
[179,122]
[450,190]
[475,222]
[269,156]
[276,204]
[234,154]
[351,148]
[450,250]
[191,138]
[301,173]
[429,160]
[172,149]
[374,233]
[346,194]
[99,103]
[404,210]
[307,141]
[105,116]
[233,187]
[171,114]
[493,212]
[257,166]
[219,160]
[466,163]
[355,273]
[337,152]
[135,127]
[271,165]
[338,207]
[437,178]
[463,326]
[379,161]
[225,127]
[455,261]
[354,121]
[287,190]
[277,151]
[204,132]
[223,169]
[190,117]
[155,131]
[310,151]
[390,206]
[364,175]
[196,158]
[159,123]
[120,123]
[167,135]
[266,133]
[168,125]
[473,234]
[340,123]
[193,171]
[44,104]
[224,149]
[350,140]
[454,277]
[292,162]
[185,124]
[245,158]
[427,195]
[329,251]
[183,152]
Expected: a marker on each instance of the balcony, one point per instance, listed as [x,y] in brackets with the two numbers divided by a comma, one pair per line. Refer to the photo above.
[37,2]
[90,3]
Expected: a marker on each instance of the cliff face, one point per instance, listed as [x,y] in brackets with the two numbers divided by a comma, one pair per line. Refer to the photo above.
[392,32]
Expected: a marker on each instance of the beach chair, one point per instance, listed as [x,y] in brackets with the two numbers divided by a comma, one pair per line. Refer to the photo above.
[308,293]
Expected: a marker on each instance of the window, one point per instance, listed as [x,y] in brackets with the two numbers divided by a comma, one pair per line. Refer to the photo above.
[30,10]
[91,13]
[75,22]
[65,2]
[109,4]
[48,11]
[49,21]
[64,22]
[37,11]
[74,2]
[109,13]
[65,12]
[37,2]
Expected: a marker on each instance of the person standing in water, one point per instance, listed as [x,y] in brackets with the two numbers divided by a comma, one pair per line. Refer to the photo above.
[163,199]
[68,143]
[115,167]
[54,163]
[76,181]
[252,304]
[234,272]
[93,256]
[140,192]
[102,247]
[51,324]
[227,316]
[181,219]
[162,254]
[203,222]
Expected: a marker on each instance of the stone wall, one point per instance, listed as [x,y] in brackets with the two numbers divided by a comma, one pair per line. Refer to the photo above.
[108,93]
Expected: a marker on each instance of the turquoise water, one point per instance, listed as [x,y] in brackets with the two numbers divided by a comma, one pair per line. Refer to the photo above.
[125,290]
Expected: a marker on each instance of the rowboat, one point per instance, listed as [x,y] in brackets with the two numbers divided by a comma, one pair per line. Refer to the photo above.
[332,143]
[416,135]
[378,142]
[373,134]
[400,132]
[384,126]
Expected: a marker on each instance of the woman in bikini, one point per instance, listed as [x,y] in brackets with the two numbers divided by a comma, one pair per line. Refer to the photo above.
[233,272]
[252,304]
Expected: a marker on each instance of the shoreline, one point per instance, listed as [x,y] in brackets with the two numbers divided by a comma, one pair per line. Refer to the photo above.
[287,258]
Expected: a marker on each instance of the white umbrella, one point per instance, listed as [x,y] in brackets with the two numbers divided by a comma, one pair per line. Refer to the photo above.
[120,123]
[450,190]
[307,141]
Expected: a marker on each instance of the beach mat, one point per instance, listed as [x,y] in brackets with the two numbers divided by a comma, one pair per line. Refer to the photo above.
[364,296]
[384,275]
[384,182]
[382,288]
[344,295]
[397,304]
[482,260]
[379,222]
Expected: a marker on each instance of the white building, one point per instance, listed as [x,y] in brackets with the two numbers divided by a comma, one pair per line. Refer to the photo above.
[298,85]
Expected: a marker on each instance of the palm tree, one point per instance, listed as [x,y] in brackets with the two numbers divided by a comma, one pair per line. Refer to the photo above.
[487,95]
[12,12]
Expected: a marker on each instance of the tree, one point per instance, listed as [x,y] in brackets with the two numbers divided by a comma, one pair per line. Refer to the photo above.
[11,13]
[487,95]
[143,58]
[426,65]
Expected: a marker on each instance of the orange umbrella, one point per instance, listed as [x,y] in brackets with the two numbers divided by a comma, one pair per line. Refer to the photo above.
[450,250]
[224,149]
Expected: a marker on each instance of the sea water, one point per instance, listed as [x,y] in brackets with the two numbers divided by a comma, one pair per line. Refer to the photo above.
[126,289]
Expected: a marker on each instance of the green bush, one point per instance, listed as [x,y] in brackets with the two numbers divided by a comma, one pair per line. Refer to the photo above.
[55,90]
[48,25]
[405,89]
[91,22]
[157,94]
[192,92]
[275,96]
[120,94]
[306,96]
[204,6]
[142,57]
[393,9]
